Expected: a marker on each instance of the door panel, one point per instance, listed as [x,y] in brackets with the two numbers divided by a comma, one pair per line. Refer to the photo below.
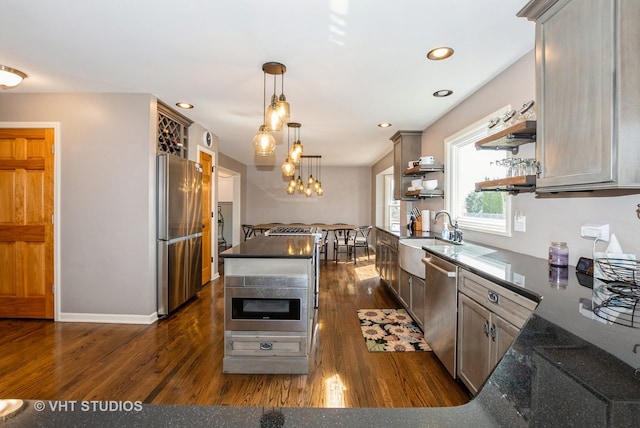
[195,271]
[177,274]
[206,161]
[26,229]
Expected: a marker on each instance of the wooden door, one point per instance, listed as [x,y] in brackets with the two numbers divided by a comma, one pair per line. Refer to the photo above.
[206,161]
[26,223]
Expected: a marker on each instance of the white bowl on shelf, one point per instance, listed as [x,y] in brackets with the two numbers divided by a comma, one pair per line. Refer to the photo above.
[416,182]
[430,184]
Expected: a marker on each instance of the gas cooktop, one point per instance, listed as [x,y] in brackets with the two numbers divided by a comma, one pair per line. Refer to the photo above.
[293,230]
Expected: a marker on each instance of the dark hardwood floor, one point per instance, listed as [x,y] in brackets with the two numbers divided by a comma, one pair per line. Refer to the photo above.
[178,360]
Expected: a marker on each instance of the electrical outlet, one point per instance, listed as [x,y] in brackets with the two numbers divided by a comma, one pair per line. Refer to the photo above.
[595,231]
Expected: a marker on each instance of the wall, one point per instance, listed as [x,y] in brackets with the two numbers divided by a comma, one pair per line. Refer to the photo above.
[231,164]
[107,205]
[549,218]
[346,199]
[225,189]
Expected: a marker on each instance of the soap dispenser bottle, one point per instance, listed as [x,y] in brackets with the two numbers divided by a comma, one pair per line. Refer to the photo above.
[445,234]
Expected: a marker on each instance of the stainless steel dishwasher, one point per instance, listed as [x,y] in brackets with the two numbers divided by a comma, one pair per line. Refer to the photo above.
[441,309]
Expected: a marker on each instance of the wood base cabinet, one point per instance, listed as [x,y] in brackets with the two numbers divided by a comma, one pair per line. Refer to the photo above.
[483,339]
[489,319]
[411,295]
[387,259]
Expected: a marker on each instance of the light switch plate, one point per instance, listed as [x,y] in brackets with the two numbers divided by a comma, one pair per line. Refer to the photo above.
[520,222]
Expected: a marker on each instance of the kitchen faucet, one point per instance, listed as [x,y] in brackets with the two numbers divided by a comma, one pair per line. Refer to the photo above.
[457,234]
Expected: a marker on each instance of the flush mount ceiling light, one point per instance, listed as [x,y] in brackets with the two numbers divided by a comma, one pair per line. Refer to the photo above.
[278,111]
[184,105]
[10,77]
[440,53]
[384,125]
[442,93]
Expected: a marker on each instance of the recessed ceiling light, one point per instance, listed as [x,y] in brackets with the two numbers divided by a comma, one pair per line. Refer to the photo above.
[442,93]
[184,105]
[439,53]
[384,125]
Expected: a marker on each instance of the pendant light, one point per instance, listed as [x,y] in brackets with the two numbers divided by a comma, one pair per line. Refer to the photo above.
[263,142]
[319,191]
[283,107]
[274,119]
[311,185]
[296,151]
[288,167]
[310,180]
[316,184]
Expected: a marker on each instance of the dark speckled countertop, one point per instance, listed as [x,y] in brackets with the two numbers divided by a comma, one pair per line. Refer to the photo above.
[567,367]
[294,246]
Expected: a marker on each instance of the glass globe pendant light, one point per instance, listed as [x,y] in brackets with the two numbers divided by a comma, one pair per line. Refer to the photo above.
[296,150]
[319,190]
[283,107]
[288,168]
[263,142]
[274,119]
[310,180]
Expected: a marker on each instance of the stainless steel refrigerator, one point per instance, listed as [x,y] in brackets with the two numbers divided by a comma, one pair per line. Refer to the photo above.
[179,238]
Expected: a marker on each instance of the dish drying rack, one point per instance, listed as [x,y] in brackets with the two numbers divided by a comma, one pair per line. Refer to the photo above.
[618,299]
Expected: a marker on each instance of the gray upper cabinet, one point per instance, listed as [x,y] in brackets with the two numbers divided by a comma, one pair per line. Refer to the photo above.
[588,93]
[407,146]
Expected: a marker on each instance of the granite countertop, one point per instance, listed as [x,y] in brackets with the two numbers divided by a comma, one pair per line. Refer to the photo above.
[294,246]
[567,367]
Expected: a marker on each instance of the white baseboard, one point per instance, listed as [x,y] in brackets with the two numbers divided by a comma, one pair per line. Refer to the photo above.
[108,318]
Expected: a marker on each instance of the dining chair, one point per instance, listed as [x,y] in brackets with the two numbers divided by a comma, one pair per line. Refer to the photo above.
[342,240]
[247,230]
[324,239]
[361,240]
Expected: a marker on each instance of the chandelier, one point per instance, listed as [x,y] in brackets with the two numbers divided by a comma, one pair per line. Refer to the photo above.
[278,112]
[311,185]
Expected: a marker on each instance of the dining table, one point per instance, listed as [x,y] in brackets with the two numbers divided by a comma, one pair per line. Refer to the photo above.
[325,228]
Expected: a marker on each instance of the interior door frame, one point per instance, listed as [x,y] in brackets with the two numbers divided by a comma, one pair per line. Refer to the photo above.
[214,203]
[57,162]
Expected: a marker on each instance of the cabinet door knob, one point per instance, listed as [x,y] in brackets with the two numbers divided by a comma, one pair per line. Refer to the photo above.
[266,346]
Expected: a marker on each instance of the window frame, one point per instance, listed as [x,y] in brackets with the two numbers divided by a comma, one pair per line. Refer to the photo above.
[469,135]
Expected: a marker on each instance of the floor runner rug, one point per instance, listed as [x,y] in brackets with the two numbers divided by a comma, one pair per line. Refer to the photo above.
[391,330]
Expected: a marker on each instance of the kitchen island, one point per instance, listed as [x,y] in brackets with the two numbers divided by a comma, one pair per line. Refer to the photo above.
[269,288]
[565,367]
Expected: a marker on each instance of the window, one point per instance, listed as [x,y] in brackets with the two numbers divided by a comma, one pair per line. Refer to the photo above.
[488,212]
[392,207]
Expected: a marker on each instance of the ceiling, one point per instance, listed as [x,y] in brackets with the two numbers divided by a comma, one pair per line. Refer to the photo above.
[351,64]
